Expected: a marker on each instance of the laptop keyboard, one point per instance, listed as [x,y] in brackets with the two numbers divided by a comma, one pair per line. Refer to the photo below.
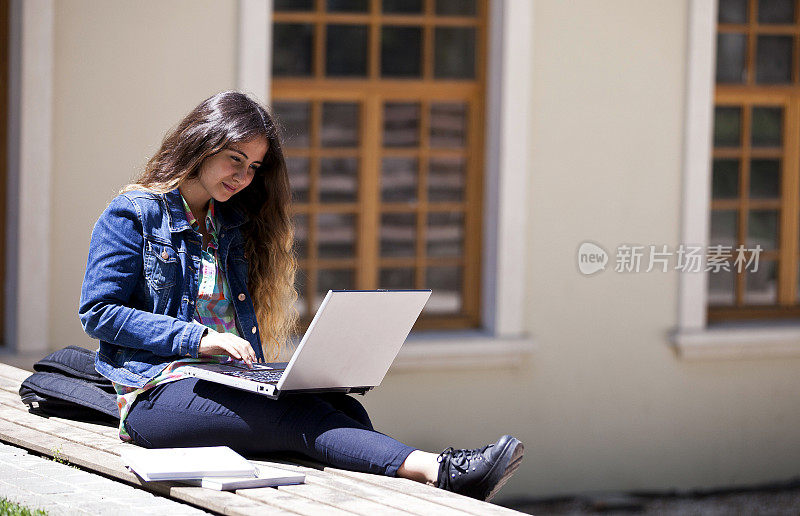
[271,376]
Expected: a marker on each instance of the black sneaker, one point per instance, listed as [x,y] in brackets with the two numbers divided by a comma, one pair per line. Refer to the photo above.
[480,473]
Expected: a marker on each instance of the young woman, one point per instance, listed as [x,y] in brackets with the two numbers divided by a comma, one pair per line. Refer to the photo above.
[193,262]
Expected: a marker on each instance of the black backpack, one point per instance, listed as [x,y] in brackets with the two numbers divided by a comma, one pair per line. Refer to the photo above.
[66,385]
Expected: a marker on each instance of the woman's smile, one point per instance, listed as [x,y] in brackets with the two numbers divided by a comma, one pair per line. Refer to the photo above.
[237,162]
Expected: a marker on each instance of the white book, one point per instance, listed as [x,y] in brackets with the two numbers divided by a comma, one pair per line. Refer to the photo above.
[186,463]
[266,476]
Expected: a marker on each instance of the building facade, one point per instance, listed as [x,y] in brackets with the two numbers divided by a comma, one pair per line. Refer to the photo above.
[595,123]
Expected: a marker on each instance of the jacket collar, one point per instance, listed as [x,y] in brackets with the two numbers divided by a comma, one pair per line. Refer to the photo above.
[228,214]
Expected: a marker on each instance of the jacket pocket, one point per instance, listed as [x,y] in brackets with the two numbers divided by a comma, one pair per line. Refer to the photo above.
[160,265]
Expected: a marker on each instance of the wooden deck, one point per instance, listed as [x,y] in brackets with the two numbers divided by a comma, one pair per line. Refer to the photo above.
[327,490]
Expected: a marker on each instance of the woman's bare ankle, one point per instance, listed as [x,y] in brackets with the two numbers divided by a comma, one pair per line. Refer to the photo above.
[420,466]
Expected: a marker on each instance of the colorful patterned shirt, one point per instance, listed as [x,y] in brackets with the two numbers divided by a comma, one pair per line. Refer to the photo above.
[213,309]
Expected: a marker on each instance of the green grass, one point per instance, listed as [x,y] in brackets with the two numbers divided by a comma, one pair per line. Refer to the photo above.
[9,508]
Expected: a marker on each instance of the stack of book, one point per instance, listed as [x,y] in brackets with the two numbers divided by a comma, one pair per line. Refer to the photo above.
[214,467]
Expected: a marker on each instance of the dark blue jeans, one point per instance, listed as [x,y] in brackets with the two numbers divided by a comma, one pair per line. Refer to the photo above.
[330,428]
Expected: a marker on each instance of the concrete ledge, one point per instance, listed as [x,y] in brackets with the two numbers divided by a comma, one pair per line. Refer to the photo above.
[461,351]
[741,341]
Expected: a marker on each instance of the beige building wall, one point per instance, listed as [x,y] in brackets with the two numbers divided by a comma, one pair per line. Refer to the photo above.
[124,73]
[603,403]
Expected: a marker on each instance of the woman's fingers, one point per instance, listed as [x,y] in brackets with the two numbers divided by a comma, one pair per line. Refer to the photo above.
[242,349]
[226,343]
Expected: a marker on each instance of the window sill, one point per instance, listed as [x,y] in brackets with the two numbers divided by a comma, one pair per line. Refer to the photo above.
[461,350]
[739,341]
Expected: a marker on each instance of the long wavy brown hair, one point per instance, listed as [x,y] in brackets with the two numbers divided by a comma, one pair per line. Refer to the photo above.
[232,117]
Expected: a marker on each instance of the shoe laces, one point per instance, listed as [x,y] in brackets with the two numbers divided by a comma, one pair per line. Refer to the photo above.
[460,459]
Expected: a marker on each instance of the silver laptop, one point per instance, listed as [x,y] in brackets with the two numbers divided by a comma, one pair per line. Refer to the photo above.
[348,347]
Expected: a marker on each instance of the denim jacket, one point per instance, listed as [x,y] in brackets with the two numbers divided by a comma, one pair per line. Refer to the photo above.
[141,283]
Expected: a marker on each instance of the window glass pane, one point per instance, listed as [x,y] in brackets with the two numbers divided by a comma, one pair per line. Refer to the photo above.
[346,50]
[402,6]
[340,124]
[454,53]
[445,284]
[721,287]
[300,286]
[761,286]
[398,234]
[338,179]
[401,54]
[723,227]
[348,6]
[775,11]
[726,179]
[336,235]
[455,7]
[727,126]
[293,5]
[401,124]
[448,124]
[446,178]
[765,178]
[399,180]
[762,229]
[332,279]
[766,127]
[396,278]
[730,58]
[774,59]
[300,222]
[291,49]
[445,234]
[298,177]
[732,11]
[294,116]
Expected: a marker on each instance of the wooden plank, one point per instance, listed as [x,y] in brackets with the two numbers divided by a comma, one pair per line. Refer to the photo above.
[111,465]
[43,423]
[224,502]
[79,454]
[340,499]
[61,431]
[63,438]
[104,430]
[12,399]
[289,501]
[13,373]
[330,490]
[439,496]
[9,390]
[33,433]
[422,491]
[388,497]
[69,433]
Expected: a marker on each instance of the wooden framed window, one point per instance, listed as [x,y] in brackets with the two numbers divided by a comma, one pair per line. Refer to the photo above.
[382,106]
[756,158]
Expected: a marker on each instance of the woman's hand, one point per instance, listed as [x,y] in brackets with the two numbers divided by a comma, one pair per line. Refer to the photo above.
[215,343]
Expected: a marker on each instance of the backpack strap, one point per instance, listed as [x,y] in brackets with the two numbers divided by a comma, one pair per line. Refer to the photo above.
[66,384]
[63,396]
[74,361]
